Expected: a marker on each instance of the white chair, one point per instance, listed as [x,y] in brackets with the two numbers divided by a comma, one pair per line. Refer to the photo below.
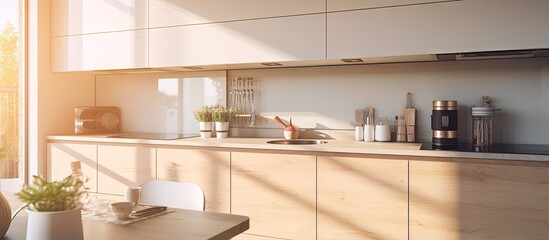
[172,194]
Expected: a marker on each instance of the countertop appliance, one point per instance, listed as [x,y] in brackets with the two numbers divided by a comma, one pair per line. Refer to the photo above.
[444,123]
[537,149]
[92,119]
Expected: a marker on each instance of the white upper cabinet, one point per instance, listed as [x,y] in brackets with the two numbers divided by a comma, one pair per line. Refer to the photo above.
[183,12]
[72,17]
[343,5]
[116,50]
[263,40]
[448,27]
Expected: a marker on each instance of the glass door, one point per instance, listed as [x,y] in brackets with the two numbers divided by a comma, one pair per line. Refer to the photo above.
[12,95]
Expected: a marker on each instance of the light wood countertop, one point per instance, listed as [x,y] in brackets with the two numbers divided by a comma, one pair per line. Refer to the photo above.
[332,146]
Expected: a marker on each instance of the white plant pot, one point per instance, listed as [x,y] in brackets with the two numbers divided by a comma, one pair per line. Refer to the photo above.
[205,129]
[5,215]
[55,225]
[222,129]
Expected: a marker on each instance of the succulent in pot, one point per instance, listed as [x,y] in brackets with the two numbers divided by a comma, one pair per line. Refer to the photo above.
[204,117]
[222,116]
[204,114]
[54,208]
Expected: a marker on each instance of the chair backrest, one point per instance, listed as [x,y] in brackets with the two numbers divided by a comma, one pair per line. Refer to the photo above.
[172,194]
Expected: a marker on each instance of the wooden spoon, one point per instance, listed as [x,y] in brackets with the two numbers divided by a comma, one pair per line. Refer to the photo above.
[278,120]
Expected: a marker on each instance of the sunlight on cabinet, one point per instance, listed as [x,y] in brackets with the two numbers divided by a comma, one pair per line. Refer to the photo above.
[208,169]
[277,192]
[456,201]
[60,156]
[362,198]
[123,166]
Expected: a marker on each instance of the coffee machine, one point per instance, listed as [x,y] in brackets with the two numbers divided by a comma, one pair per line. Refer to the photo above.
[444,123]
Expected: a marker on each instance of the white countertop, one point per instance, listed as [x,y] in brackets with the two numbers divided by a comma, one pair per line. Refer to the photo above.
[332,146]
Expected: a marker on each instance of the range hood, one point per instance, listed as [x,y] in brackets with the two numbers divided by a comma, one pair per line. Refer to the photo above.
[526,53]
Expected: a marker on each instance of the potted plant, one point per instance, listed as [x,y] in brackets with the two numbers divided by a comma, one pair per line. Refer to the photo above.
[5,212]
[222,116]
[204,118]
[54,208]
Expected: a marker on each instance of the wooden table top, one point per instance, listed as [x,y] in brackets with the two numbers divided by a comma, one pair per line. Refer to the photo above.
[181,224]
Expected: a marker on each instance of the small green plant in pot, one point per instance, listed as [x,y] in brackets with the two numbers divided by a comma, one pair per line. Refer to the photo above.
[54,208]
[44,196]
[204,117]
[222,116]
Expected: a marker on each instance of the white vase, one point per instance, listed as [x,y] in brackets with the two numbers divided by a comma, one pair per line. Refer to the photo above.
[221,129]
[55,225]
[205,129]
[5,215]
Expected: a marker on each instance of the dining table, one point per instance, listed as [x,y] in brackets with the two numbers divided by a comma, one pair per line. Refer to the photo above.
[179,224]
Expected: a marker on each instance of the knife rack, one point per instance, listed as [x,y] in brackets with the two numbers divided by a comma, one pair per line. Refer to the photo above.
[242,97]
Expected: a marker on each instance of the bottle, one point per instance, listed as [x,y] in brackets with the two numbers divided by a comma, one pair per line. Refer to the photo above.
[369,130]
[76,171]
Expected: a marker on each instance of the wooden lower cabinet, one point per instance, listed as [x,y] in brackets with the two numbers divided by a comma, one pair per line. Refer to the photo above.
[209,169]
[124,166]
[60,156]
[277,192]
[455,201]
[362,198]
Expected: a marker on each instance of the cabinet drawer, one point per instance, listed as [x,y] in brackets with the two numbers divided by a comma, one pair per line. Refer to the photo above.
[116,50]
[183,12]
[60,156]
[265,40]
[458,26]
[478,201]
[277,192]
[208,169]
[73,17]
[362,198]
[124,166]
[344,5]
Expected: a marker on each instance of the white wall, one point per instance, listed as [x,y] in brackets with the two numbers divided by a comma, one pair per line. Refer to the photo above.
[325,97]
[51,96]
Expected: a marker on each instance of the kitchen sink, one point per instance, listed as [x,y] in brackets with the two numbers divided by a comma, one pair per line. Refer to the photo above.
[297,142]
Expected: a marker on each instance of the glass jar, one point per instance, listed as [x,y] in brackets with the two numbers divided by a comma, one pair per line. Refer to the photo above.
[482,126]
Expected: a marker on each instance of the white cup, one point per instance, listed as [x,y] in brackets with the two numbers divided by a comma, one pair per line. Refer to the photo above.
[99,206]
[359,133]
[122,210]
[132,195]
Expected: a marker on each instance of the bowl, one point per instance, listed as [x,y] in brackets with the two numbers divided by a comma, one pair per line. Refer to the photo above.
[122,210]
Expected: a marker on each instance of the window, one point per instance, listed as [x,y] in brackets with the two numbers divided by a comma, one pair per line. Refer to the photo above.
[12,93]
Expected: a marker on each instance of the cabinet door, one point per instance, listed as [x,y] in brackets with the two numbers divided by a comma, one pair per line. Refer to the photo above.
[116,50]
[450,27]
[478,201]
[74,17]
[344,5]
[184,12]
[60,156]
[208,169]
[264,40]
[362,198]
[277,192]
[124,166]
